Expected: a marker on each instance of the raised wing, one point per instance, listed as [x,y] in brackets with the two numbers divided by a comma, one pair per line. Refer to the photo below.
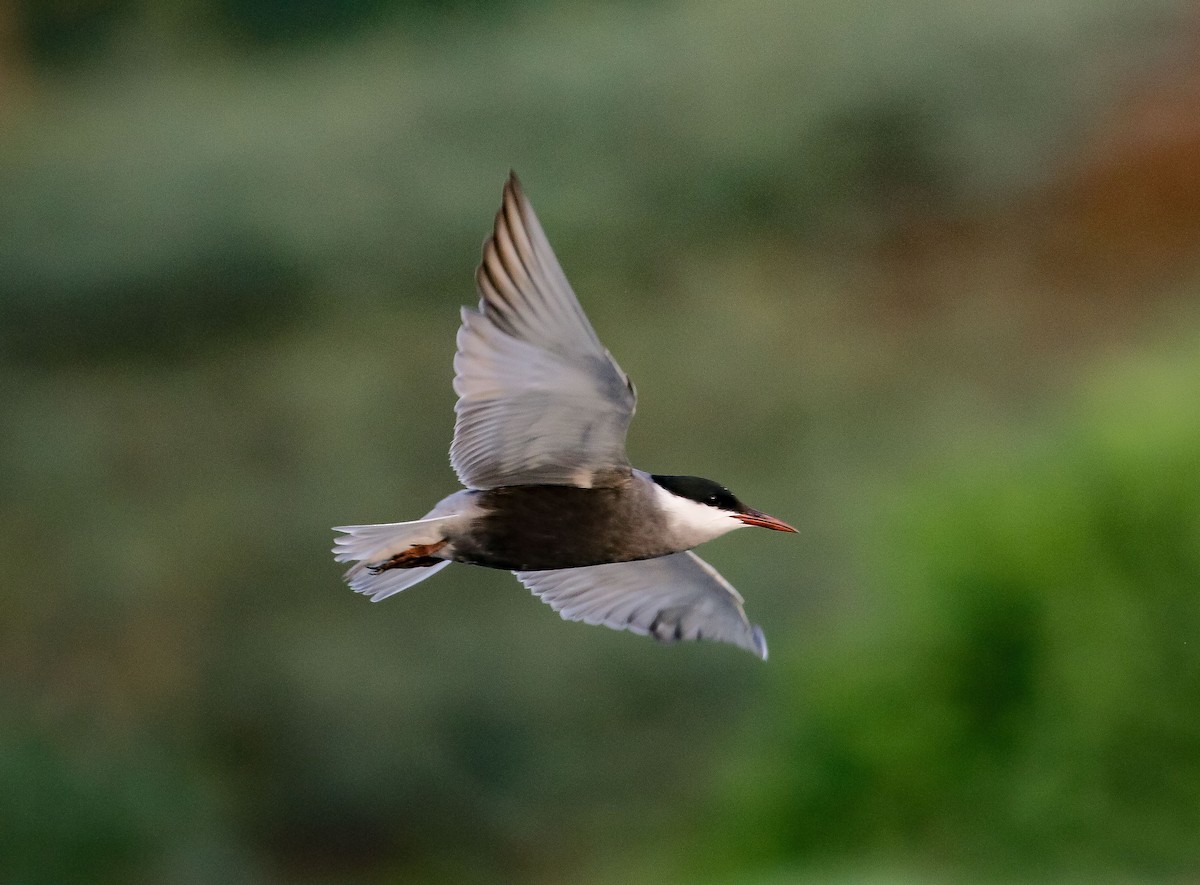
[670,598]
[540,399]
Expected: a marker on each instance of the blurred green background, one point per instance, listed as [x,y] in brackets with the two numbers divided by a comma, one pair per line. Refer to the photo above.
[919,277]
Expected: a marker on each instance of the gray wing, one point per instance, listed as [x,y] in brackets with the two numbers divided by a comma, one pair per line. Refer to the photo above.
[672,597]
[540,399]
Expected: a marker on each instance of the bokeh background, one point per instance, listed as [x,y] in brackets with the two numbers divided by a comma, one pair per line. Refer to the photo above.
[920,277]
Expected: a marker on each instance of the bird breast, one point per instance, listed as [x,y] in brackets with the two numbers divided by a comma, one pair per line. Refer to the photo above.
[526,528]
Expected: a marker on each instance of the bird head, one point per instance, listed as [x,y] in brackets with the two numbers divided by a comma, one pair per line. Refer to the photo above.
[707,507]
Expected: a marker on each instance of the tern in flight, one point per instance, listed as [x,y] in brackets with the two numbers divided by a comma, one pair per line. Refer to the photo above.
[539,444]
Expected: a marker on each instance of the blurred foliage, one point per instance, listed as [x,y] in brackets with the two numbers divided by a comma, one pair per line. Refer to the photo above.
[233,238]
[342,172]
[1022,700]
[58,32]
[67,33]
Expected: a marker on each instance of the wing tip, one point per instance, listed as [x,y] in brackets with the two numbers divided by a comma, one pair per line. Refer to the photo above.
[517,215]
[759,640]
[514,194]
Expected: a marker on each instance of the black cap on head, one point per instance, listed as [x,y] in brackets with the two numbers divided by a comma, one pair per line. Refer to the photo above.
[705,491]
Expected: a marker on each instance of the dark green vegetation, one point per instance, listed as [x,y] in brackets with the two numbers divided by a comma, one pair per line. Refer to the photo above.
[1022,699]
[231,256]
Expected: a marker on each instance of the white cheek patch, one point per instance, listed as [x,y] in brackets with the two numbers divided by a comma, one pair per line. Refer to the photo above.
[693,522]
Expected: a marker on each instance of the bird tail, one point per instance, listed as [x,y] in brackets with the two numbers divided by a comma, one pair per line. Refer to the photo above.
[369,546]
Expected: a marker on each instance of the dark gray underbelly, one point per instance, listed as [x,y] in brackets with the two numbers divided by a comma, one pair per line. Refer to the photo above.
[527,528]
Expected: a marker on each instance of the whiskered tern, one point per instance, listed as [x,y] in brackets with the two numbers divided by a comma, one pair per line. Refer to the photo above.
[539,443]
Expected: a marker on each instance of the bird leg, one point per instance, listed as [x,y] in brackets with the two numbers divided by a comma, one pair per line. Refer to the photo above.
[416,556]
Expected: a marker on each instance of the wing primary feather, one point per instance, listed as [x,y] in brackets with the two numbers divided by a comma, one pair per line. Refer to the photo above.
[532,282]
[538,258]
[509,217]
[672,598]
[492,306]
[499,276]
[540,399]
[507,252]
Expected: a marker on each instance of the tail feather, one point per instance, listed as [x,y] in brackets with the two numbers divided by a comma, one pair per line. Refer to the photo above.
[378,542]
[366,545]
[380,586]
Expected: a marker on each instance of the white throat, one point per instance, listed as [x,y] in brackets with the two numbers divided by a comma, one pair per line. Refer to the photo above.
[689,522]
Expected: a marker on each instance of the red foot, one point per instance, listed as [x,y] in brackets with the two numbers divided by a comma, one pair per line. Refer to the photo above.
[414,557]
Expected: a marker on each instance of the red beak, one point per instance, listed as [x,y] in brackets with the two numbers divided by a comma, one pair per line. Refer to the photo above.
[750,516]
